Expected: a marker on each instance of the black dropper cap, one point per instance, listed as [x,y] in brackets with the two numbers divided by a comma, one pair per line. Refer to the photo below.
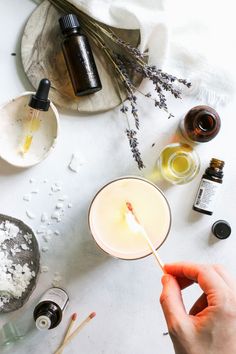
[40,100]
[68,22]
[221,229]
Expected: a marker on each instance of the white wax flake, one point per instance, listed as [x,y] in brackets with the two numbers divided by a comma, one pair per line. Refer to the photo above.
[44,269]
[44,249]
[14,278]
[15,250]
[59,206]
[28,238]
[4,247]
[45,180]
[30,214]
[32,180]
[69,205]
[75,163]
[35,191]
[24,247]
[44,217]
[27,197]
[8,231]
[56,279]
[62,198]
[48,223]
[57,233]
[56,216]
[46,238]
[40,231]
[56,187]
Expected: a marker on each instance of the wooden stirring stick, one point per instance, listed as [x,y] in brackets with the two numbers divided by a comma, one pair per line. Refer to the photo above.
[141,229]
[76,331]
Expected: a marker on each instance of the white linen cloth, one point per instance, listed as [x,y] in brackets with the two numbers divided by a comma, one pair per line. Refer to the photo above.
[192,39]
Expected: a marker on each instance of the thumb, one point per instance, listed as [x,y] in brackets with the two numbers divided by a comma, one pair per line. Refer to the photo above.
[172,302]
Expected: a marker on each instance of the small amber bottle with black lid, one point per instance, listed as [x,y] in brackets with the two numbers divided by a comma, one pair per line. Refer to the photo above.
[79,57]
[209,187]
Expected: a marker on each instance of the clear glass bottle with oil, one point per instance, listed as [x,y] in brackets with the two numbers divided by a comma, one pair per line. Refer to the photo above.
[178,163]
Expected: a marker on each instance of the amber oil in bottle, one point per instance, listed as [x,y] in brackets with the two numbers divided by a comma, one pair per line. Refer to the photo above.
[201,124]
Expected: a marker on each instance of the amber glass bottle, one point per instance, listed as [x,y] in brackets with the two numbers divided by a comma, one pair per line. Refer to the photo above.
[208,188]
[201,124]
[79,57]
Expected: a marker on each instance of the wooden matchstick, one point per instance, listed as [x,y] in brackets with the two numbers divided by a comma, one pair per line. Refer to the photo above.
[68,331]
[76,331]
[144,233]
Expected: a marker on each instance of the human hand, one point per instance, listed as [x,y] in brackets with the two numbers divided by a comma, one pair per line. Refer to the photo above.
[210,326]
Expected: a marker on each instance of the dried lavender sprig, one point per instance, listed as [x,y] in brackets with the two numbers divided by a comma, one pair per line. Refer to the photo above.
[130,89]
[133,142]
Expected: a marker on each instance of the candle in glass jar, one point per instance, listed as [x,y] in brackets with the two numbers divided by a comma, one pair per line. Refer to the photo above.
[108,217]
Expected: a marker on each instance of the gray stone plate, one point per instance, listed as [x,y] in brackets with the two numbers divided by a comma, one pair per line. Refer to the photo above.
[25,256]
[42,57]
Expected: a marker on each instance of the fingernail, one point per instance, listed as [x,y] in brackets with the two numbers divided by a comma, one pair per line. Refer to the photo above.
[165,278]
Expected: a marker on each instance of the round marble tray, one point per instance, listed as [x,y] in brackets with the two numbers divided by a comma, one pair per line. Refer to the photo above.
[31,256]
[42,57]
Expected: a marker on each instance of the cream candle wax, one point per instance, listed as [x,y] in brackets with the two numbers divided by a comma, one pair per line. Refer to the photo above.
[108,222]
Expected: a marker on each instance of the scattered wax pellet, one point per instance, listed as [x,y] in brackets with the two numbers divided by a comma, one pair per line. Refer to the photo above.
[44,249]
[44,217]
[59,206]
[75,162]
[63,198]
[27,197]
[35,191]
[44,269]
[30,215]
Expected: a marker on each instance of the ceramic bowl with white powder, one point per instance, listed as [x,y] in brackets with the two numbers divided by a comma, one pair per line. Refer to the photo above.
[13,119]
[19,263]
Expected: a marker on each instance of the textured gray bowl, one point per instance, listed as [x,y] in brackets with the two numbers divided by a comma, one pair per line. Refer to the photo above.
[26,256]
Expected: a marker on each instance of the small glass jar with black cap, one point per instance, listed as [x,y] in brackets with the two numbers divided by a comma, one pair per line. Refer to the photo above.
[79,57]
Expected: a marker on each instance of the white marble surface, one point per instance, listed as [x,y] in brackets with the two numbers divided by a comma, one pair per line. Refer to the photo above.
[125,295]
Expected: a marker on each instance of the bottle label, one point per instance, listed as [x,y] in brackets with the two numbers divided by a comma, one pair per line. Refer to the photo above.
[206,195]
[56,295]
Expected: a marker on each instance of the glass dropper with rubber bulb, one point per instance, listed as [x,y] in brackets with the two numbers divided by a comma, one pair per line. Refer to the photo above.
[38,102]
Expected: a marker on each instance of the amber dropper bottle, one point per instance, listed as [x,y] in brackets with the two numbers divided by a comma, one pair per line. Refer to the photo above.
[79,57]
[201,124]
[209,186]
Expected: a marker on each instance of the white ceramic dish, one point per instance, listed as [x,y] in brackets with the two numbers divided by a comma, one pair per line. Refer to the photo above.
[12,117]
